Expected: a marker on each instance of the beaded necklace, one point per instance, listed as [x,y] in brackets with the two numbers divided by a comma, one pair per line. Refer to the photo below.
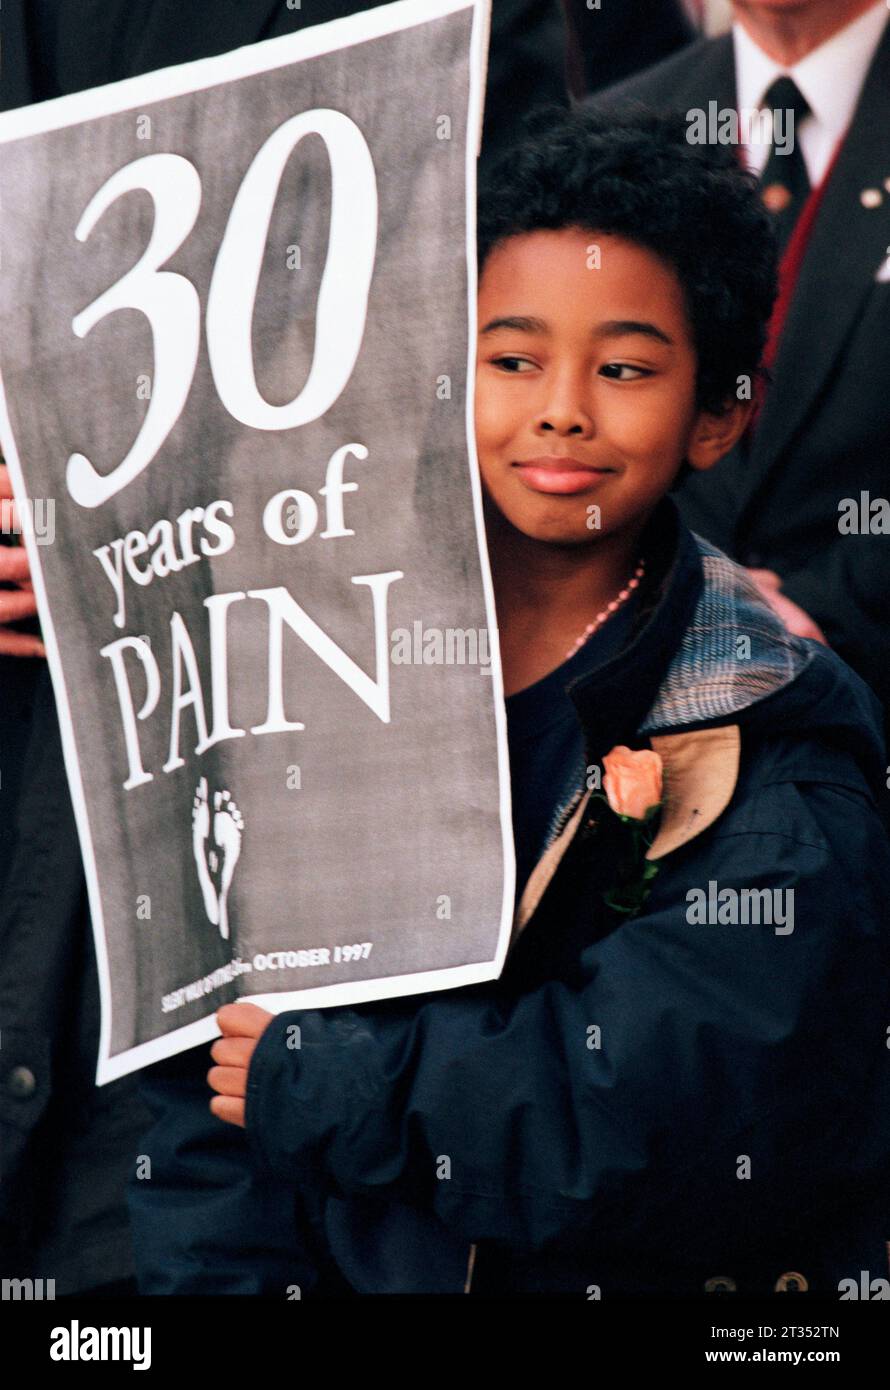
[609,609]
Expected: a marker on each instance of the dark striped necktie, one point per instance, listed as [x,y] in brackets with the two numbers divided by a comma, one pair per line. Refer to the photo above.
[785,183]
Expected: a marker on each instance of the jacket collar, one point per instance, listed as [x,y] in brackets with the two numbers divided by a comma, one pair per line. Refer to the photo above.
[681,684]
[700,771]
[705,646]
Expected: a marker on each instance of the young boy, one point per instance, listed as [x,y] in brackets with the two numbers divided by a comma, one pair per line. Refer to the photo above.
[681,1080]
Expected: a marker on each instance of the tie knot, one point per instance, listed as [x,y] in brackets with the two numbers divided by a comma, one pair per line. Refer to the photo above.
[784,94]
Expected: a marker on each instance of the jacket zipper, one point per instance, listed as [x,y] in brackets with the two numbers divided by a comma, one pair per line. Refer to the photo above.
[564,817]
[562,821]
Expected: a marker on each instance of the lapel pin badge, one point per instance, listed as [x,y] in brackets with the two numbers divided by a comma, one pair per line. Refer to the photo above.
[776,197]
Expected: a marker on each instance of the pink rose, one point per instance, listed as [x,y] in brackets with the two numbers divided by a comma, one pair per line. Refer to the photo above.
[632,781]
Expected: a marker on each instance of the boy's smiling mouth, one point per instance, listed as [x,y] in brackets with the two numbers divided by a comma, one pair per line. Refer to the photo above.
[559,474]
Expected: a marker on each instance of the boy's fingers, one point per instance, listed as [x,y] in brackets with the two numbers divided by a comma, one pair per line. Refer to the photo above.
[20,644]
[17,604]
[242,1020]
[228,1109]
[14,567]
[228,1081]
[233,1052]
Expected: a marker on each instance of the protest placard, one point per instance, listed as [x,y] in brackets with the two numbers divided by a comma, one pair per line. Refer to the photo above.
[237,306]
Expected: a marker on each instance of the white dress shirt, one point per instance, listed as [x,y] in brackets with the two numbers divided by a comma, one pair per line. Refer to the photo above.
[830,77]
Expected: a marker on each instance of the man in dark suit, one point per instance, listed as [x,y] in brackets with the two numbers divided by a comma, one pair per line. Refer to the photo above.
[783,501]
[66,1146]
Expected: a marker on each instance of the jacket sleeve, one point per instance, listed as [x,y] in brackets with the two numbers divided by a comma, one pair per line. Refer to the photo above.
[516,1122]
[202,1221]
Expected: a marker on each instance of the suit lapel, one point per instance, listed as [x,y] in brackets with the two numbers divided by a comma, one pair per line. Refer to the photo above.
[847,244]
[702,72]
[708,75]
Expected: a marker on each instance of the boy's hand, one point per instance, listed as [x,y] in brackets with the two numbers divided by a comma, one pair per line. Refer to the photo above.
[242,1027]
[793,616]
[17,603]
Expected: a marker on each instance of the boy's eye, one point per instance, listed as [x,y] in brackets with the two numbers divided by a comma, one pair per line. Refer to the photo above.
[513,364]
[613,371]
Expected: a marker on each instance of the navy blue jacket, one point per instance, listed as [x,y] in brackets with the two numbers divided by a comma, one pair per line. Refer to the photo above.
[731,1118]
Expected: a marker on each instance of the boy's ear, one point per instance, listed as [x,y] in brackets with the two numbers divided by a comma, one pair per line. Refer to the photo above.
[713,435]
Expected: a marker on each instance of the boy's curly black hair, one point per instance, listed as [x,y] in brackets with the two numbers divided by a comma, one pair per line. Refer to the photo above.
[633,174]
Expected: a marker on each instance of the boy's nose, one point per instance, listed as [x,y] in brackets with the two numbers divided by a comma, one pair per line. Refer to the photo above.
[567,420]
[564,409]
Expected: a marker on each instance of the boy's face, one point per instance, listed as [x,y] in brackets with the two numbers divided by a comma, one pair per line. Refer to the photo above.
[585,384]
